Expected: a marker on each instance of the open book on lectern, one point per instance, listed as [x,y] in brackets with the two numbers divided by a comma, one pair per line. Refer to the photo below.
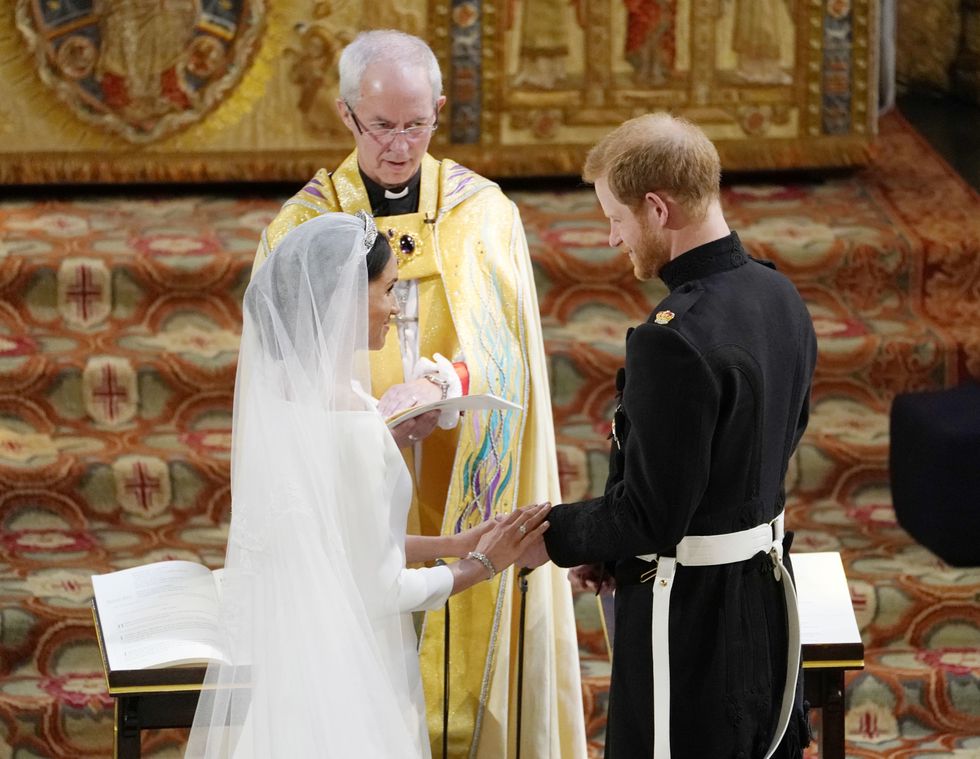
[163,614]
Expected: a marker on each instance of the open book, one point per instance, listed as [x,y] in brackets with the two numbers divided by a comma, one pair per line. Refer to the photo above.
[159,615]
[480,401]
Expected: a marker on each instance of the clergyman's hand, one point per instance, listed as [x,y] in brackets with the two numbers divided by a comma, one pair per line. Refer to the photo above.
[415,429]
[415,393]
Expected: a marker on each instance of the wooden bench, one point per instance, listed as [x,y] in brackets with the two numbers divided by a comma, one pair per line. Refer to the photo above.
[161,698]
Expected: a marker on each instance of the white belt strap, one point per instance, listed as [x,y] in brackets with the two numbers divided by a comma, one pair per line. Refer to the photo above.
[663,583]
[794,651]
[711,550]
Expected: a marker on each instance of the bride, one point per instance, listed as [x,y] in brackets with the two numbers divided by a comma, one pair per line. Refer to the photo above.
[316,596]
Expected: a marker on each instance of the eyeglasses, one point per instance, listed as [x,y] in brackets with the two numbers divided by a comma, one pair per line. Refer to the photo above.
[384,136]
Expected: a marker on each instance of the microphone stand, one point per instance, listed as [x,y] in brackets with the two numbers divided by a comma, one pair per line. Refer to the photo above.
[522,587]
[445,678]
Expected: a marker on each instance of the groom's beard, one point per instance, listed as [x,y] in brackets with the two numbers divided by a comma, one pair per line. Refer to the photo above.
[652,252]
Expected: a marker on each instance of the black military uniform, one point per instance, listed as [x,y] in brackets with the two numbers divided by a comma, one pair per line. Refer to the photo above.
[713,401]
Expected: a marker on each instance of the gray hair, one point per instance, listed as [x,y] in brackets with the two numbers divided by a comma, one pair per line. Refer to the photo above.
[387,45]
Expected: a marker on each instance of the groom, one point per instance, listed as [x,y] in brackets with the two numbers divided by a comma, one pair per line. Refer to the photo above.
[712,402]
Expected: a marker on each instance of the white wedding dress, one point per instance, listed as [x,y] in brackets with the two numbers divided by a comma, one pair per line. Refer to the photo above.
[410,589]
[316,600]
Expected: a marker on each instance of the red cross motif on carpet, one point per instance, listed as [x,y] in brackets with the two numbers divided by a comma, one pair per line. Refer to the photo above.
[142,485]
[109,393]
[83,292]
[83,289]
[109,390]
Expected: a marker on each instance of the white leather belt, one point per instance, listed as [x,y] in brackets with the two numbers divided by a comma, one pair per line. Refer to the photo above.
[711,550]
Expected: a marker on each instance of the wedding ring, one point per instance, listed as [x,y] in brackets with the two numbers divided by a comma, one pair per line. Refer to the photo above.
[522,529]
[414,438]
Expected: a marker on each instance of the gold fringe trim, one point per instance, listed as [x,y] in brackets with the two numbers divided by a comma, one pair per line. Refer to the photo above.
[298,166]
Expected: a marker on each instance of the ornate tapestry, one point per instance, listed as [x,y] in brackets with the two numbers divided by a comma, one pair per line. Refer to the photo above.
[106,90]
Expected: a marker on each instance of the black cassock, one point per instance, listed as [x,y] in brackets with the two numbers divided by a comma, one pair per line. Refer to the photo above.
[713,401]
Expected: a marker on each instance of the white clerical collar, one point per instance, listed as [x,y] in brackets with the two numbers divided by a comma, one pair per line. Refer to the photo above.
[392,195]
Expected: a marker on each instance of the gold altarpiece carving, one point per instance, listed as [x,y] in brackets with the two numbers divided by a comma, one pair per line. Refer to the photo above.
[188,90]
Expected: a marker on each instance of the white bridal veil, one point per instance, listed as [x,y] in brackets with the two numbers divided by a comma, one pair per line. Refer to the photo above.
[306,601]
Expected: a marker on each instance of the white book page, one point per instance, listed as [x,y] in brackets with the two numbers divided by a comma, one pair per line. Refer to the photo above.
[826,612]
[159,614]
[480,401]
[218,575]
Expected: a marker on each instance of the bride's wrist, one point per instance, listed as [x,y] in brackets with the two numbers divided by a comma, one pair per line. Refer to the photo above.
[485,561]
[457,546]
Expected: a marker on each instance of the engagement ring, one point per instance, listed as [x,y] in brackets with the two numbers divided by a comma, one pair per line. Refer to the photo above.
[522,529]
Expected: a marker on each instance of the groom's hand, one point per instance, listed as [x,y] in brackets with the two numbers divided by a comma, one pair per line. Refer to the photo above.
[534,555]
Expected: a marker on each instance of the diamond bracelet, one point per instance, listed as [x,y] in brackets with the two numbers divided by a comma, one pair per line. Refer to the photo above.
[485,561]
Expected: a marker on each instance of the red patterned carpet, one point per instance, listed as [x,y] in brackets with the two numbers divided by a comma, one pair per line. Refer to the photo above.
[119,323]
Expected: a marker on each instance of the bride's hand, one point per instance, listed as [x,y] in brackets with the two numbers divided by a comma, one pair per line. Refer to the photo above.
[467,540]
[514,534]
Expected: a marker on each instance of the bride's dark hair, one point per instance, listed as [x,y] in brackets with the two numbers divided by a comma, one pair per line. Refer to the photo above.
[377,257]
